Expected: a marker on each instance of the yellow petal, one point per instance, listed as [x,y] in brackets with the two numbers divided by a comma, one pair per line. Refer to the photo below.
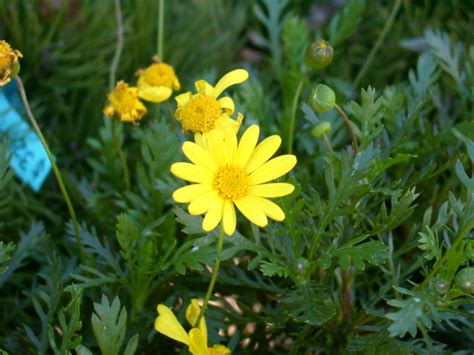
[213,216]
[183,99]
[224,121]
[191,172]
[203,203]
[108,111]
[167,324]
[247,144]
[192,314]
[232,78]
[273,169]
[199,140]
[203,87]
[197,343]
[214,141]
[251,211]
[230,145]
[228,218]
[176,84]
[227,104]
[276,189]
[190,192]
[218,349]
[155,93]
[263,152]
[199,156]
[268,207]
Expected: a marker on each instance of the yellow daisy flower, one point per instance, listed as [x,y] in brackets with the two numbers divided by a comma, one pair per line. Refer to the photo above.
[124,102]
[203,112]
[9,64]
[157,82]
[227,173]
[167,324]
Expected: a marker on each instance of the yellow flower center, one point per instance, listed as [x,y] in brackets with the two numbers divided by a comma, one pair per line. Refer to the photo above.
[231,182]
[159,74]
[200,114]
[122,99]
[5,55]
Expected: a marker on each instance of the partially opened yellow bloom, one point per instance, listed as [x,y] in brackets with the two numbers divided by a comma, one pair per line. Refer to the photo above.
[124,102]
[9,64]
[167,324]
[203,112]
[228,174]
[157,82]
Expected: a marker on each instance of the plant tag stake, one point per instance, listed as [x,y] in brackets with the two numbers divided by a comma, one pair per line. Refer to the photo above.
[29,159]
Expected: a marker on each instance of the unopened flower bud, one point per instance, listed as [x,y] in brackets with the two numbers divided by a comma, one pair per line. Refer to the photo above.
[319,54]
[322,98]
[321,129]
[9,63]
[465,280]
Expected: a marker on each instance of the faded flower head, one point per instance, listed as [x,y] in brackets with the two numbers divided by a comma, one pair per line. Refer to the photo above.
[319,54]
[203,111]
[157,82]
[124,103]
[9,63]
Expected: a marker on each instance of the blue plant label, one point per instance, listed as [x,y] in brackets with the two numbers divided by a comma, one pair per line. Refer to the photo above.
[29,159]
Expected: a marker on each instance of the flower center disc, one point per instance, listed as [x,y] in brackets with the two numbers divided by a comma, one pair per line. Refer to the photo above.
[231,182]
[159,74]
[200,114]
[122,100]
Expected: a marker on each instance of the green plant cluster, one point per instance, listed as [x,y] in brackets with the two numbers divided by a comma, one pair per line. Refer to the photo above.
[376,253]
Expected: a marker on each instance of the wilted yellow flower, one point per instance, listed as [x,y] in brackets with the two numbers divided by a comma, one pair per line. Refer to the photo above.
[167,324]
[157,82]
[203,112]
[228,173]
[124,102]
[9,64]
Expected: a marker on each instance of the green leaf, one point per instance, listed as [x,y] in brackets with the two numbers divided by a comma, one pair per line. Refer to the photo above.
[109,323]
[344,24]
[272,268]
[426,74]
[5,251]
[131,345]
[308,305]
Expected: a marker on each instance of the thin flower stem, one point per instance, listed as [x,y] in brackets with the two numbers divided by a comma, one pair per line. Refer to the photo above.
[119,47]
[377,45]
[294,107]
[346,296]
[215,272]
[328,143]
[161,26]
[348,124]
[123,161]
[56,170]
[450,253]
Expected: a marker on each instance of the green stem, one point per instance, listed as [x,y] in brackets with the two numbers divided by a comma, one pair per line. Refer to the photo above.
[215,272]
[123,161]
[56,170]
[119,47]
[377,45]
[449,255]
[348,124]
[328,143]
[294,107]
[161,26]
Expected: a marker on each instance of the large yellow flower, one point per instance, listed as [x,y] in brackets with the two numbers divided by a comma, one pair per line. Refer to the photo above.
[227,174]
[167,324]
[203,112]
[9,64]
[124,102]
[157,82]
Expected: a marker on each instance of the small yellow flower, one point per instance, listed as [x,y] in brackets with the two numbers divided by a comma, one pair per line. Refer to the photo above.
[227,173]
[167,324]
[203,112]
[124,102]
[9,64]
[157,82]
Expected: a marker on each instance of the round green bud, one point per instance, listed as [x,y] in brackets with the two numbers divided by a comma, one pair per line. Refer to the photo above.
[442,286]
[465,280]
[321,129]
[319,54]
[322,98]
